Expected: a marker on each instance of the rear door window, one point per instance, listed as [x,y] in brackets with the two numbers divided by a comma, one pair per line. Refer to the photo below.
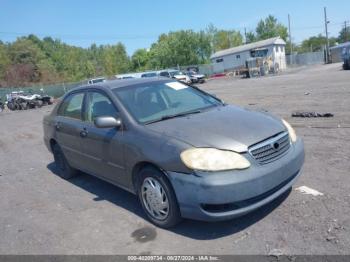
[72,106]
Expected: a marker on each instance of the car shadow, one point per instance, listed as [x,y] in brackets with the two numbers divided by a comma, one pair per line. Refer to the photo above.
[189,228]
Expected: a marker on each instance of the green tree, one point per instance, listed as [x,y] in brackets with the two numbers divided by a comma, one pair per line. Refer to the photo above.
[204,46]
[26,58]
[184,47]
[270,27]
[250,37]
[344,35]
[140,60]
[122,59]
[223,39]
[4,62]
[315,43]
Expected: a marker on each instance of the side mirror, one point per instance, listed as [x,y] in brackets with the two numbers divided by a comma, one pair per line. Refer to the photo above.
[107,122]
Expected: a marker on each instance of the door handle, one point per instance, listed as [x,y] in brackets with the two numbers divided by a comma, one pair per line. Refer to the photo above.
[57,126]
[83,133]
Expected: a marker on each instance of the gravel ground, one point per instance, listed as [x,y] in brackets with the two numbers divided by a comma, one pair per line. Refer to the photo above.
[43,214]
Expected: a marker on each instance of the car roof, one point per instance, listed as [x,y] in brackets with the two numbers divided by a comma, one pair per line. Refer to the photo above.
[118,83]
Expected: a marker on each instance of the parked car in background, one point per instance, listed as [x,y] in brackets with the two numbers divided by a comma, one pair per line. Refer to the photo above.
[2,106]
[195,77]
[125,76]
[346,58]
[184,152]
[96,80]
[149,74]
[176,74]
[20,100]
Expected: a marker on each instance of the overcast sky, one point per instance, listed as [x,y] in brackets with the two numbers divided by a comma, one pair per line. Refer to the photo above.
[138,23]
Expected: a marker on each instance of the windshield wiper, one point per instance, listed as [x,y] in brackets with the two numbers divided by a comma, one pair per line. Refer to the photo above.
[166,117]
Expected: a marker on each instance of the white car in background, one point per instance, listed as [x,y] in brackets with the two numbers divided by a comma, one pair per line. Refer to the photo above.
[96,80]
[196,77]
[176,74]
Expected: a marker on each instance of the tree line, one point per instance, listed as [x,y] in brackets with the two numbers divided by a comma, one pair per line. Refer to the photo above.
[30,60]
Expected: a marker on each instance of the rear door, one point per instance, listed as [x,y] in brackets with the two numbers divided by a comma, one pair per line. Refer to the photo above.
[103,147]
[68,124]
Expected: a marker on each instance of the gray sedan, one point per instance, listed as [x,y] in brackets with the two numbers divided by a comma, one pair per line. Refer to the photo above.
[184,152]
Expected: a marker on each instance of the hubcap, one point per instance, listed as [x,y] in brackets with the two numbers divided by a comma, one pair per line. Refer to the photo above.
[155,199]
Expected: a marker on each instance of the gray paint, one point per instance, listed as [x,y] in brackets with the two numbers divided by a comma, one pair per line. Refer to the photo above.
[113,153]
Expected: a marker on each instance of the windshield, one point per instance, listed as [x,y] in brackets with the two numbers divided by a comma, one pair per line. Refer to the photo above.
[99,80]
[175,73]
[160,100]
[149,75]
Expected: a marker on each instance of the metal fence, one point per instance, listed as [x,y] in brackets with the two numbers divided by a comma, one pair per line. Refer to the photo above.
[55,90]
[205,69]
[294,60]
[310,58]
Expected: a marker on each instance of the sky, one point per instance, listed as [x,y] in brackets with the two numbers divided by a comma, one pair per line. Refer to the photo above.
[137,24]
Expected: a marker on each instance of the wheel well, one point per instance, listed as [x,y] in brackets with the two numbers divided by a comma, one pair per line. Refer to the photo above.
[52,143]
[137,168]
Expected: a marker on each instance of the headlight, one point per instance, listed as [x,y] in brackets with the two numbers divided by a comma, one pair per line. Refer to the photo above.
[211,159]
[292,134]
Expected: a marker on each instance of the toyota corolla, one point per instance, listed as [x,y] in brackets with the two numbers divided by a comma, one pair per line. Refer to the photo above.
[182,151]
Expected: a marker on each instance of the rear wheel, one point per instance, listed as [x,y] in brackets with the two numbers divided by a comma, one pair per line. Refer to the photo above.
[11,106]
[157,198]
[24,106]
[347,65]
[276,68]
[39,103]
[64,169]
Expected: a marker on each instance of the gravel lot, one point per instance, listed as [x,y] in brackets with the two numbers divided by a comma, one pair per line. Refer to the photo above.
[42,214]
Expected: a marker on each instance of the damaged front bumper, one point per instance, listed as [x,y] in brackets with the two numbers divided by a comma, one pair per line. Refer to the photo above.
[214,196]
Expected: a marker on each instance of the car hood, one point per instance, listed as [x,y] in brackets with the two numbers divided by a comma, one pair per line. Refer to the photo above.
[227,127]
[181,76]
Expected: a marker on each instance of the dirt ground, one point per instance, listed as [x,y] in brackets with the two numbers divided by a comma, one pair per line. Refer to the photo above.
[42,214]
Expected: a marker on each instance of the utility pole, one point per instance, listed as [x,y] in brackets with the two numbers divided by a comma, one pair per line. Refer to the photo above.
[345,32]
[327,40]
[290,40]
[245,35]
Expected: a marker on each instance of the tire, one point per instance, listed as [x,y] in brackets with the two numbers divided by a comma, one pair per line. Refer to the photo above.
[17,106]
[147,176]
[276,68]
[64,169]
[24,106]
[39,103]
[347,65]
[11,106]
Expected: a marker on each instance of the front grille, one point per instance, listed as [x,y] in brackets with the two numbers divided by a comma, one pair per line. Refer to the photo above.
[270,149]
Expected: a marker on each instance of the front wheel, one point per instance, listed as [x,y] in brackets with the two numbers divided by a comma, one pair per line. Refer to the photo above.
[157,198]
[11,106]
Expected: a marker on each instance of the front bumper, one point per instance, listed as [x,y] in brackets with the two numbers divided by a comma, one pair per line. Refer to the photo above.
[214,196]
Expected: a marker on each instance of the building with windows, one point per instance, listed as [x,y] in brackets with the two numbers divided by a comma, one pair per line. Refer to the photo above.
[231,59]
